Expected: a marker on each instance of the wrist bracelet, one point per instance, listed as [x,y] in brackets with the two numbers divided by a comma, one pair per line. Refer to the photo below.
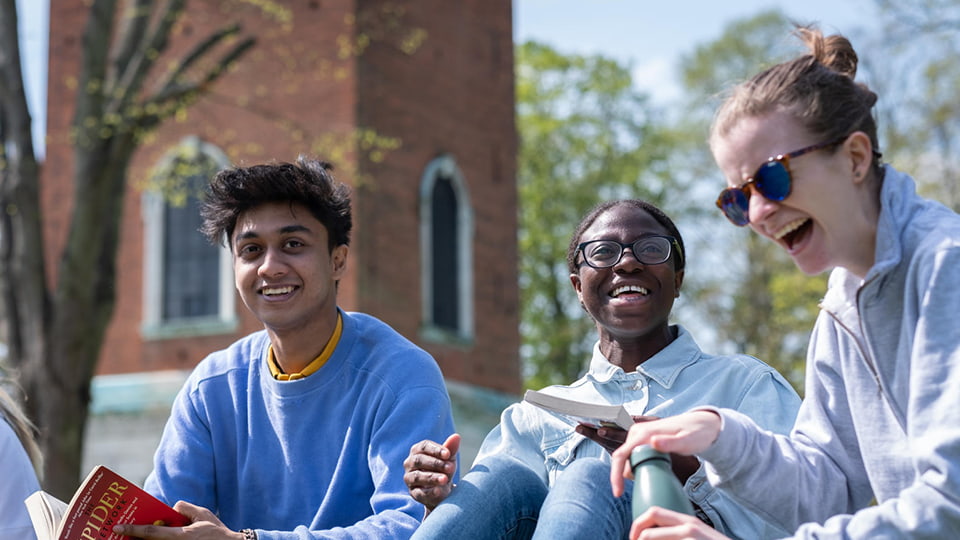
[248,534]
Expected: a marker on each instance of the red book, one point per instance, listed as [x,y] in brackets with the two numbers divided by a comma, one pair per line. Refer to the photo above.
[103,500]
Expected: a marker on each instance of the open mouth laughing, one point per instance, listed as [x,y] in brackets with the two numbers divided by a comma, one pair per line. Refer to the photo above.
[793,231]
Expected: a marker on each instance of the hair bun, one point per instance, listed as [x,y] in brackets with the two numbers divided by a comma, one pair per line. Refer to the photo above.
[834,52]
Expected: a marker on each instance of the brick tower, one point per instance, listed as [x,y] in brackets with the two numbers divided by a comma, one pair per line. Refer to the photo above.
[412,102]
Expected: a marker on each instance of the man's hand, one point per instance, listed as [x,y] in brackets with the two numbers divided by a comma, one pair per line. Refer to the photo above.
[204,525]
[429,469]
[687,434]
[609,438]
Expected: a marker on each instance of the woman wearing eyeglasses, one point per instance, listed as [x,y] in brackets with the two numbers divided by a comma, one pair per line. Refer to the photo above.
[538,475]
[875,452]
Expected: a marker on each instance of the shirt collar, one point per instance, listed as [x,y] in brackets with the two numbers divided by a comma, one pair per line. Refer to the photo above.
[663,367]
[314,364]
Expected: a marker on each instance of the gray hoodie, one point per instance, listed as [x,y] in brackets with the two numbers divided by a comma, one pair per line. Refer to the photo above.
[875,452]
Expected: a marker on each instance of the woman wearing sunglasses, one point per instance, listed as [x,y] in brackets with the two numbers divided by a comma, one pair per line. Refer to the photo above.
[539,475]
[875,452]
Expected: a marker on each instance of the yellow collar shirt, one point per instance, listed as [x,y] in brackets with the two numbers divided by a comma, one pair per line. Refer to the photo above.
[314,365]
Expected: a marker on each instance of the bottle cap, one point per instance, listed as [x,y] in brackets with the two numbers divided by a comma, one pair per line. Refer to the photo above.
[646,452]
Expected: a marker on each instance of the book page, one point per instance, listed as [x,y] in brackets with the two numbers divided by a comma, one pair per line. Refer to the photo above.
[590,414]
[46,512]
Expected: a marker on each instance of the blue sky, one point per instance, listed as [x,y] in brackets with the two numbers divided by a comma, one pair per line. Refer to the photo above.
[649,35]
[33,37]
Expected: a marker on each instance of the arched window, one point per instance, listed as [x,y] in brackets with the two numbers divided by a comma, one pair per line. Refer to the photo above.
[446,249]
[188,282]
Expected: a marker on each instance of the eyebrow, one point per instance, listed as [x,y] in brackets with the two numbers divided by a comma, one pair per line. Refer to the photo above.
[640,236]
[286,229]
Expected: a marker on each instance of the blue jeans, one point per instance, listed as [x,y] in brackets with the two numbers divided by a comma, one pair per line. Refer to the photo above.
[501,499]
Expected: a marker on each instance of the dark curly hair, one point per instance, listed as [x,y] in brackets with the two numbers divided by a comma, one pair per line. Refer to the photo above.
[679,258]
[308,182]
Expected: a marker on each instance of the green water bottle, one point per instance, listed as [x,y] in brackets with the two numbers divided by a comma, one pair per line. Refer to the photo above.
[654,483]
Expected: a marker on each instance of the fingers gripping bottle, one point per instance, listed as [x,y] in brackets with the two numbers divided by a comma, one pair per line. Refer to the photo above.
[654,483]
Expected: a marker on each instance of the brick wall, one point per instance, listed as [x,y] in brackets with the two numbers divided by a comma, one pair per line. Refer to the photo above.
[453,94]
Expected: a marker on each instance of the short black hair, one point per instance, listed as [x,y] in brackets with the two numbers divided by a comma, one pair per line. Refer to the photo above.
[308,182]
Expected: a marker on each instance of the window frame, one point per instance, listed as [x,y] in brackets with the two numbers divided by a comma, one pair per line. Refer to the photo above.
[153,204]
[446,167]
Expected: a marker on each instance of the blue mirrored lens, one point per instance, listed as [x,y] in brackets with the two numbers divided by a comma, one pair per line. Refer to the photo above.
[735,205]
[773,181]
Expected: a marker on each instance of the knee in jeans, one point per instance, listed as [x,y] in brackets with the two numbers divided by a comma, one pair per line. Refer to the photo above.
[592,472]
[589,466]
[503,475]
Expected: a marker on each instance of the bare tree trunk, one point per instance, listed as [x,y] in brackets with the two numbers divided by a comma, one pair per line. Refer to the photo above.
[22,267]
[85,292]
[55,337]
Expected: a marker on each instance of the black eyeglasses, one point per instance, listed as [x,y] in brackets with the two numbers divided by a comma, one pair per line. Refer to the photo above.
[772,180]
[651,249]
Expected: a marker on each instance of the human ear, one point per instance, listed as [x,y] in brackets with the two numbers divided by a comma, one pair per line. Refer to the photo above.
[577,286]
[575,281]
[677,282]
[338,260]
[860,151]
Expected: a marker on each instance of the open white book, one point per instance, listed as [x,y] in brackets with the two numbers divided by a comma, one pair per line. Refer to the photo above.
[594,415]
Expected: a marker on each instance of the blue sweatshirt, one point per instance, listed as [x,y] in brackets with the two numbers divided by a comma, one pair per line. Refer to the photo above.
[880,420]
[319,457]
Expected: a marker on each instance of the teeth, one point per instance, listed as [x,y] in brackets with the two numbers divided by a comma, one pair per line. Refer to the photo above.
[629,288]
[277,290]
[789,228]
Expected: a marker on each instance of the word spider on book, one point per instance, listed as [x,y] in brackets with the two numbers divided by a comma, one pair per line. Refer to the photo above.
[103,500]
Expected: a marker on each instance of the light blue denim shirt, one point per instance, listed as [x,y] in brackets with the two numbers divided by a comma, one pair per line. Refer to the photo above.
[676,379]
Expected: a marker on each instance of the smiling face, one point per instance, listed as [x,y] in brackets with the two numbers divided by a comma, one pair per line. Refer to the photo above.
[629,301]
[284,270]
[829,218]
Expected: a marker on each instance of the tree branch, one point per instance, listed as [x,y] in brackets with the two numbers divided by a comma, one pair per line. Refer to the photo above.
[166,101]
[93,68]
[130,81]
[199,51]
[134,26]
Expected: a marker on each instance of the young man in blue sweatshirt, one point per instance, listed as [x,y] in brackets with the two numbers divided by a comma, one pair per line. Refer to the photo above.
[298,431]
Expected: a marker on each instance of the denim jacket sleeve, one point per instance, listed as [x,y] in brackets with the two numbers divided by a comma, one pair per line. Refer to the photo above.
[541,441]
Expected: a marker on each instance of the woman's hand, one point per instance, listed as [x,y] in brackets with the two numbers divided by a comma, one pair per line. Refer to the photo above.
[429,469]
[686,434]
[612,438]
[662,524]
